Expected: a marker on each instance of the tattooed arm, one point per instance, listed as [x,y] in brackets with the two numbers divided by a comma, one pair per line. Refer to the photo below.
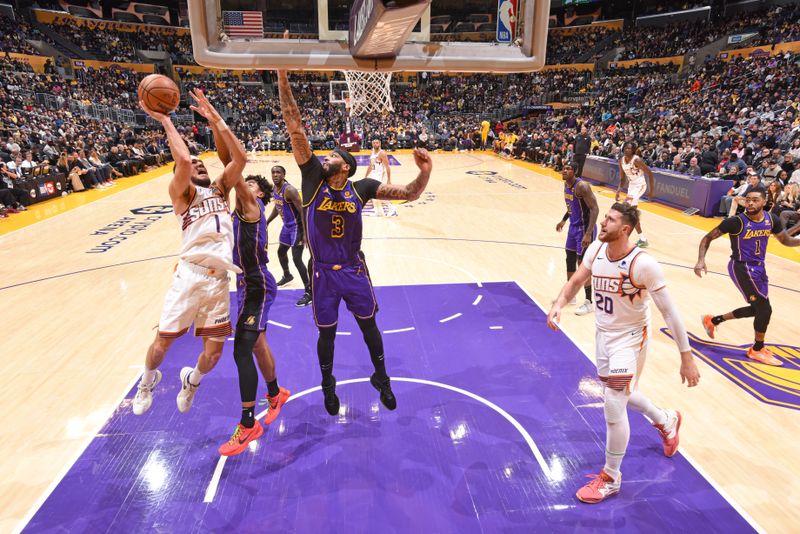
[294,123]
[413,190]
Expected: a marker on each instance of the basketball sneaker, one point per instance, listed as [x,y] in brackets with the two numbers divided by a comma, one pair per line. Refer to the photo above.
[669,432]
[586,308]
[763,356]
[275,404]
[385,388]
[305,300]
[186,394]
[285,280]
[709,325]
[144,395]
[331,400]
[600,488]
[240,439]
[642,243]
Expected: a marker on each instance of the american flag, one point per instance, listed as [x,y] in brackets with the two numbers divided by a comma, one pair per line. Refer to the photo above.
[243,23]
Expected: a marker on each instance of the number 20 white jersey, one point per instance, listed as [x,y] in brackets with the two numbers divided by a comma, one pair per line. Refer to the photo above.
[621,287]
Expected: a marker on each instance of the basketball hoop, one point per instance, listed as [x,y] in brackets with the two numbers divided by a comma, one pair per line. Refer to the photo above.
[369,92]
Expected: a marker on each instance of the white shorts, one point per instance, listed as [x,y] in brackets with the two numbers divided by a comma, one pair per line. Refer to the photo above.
[198,295]
[635,192]
[620,357]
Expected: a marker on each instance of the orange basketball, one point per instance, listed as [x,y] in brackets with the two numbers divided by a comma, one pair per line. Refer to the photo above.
[159,93]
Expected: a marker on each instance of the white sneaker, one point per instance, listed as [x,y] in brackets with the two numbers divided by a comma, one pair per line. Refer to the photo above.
[586,308]
[144,395]
[186,394]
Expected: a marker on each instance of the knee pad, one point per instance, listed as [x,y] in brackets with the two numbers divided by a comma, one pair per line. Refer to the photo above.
[615,405]
[763,314]
[572,261]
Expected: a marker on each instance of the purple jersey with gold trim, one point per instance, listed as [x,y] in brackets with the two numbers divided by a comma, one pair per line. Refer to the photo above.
[578,210]
[250,243]
[749,238]
[286,209]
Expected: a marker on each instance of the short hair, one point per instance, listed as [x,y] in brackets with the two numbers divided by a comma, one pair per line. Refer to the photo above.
[760,190]
[263,184]
[281,167]
[629,144]
[630,214]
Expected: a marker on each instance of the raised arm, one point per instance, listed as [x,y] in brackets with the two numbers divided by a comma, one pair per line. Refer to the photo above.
[232,175]
[181,188]
[301,148]
[412,190]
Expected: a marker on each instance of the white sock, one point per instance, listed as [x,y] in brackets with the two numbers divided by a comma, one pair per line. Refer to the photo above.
[617,436]
[196,376]
[639,402]
[149,376]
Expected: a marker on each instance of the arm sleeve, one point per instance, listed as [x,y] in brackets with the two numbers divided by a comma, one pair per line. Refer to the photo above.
[591,254]
[731,225]
[666,306]
[777,227]
[311,171]
[367,188]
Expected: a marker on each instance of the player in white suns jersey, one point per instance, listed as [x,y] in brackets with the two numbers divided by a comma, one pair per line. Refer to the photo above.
[633,171]
[199,292]
[624,279]
[379,169]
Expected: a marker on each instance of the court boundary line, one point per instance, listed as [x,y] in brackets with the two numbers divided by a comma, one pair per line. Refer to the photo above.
[70,464]
[213,484]
[703,473]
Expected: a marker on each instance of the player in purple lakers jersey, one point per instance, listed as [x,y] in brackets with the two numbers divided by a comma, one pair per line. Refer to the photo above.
[332,207]
[749,233]
[581,213]
[289,207]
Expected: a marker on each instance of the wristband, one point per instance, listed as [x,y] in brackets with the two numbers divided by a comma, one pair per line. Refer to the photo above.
[565,218]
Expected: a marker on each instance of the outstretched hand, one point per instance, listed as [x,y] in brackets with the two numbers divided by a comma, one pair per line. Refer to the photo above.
[203,106]
[160,117]
[423,160]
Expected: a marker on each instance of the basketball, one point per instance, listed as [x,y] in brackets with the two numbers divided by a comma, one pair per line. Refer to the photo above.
[159,93]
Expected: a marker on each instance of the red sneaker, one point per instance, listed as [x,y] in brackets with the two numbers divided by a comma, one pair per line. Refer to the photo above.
[275,404]
[600,488]
[670,437]
[763,356]
[708,325]
[240,439]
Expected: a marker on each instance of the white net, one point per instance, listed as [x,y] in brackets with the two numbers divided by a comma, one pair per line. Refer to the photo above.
[369,92]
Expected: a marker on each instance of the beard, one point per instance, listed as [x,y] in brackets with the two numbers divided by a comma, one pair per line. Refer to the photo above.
[330,169]
[606,237]
[202,180]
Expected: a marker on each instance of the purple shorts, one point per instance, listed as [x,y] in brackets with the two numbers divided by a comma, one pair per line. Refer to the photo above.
[330,284]
[575,237]
[255,294]
[750,278]
[290,236]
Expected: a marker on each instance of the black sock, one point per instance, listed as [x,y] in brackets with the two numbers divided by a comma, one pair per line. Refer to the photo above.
[272,388]
[588,291]
[717,319]
[758,345]
[248,419]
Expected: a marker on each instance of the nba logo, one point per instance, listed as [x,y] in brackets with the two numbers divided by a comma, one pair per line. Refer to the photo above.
[506,20]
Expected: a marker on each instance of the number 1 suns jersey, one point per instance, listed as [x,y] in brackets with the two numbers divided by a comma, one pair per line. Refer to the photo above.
[208,230]
[622,287]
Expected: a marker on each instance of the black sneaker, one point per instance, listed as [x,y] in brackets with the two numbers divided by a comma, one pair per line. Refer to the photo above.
[285,280]
[387,396]
[331,400]
[305,300]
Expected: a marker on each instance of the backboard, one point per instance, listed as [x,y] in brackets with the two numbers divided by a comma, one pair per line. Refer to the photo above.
[501,36]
